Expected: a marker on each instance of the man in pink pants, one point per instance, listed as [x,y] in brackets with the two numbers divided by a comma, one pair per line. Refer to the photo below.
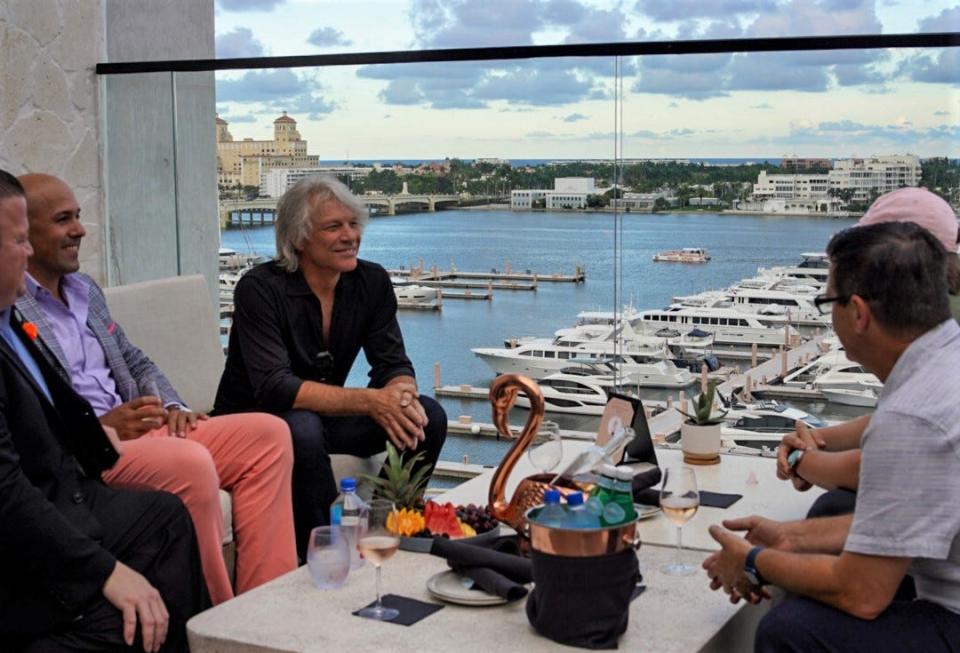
[165,445]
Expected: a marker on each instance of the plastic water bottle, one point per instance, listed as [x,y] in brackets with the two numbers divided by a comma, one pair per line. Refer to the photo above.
[345,512]
[602,491]
[619,507]
[552,514]
[577,515]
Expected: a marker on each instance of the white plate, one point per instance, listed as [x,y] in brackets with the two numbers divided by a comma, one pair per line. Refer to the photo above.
[645,512]
[452,587]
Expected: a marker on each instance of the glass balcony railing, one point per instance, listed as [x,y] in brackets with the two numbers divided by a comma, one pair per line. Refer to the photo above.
[564,160]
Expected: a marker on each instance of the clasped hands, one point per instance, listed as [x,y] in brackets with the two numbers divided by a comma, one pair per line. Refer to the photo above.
[803,438]
[726,567]
[138,416]
[396,407]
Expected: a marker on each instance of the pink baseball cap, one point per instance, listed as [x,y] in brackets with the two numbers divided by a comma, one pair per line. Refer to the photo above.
[919,206]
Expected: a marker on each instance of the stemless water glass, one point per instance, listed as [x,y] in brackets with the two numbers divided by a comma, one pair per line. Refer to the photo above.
[546,451]
[379,540]
[679,500]
[328,557]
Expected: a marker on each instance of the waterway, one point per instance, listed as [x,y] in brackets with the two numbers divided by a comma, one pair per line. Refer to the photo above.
[546,243]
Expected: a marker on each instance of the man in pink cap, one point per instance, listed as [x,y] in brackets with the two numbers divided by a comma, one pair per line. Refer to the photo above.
[930,211]
[831,456]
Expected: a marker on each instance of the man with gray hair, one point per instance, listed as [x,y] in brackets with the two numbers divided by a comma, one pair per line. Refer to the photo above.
[299,322]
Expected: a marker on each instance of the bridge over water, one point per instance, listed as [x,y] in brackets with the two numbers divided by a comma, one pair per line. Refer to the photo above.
[263,210]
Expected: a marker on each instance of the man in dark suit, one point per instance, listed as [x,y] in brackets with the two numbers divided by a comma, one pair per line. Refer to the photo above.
[82,567]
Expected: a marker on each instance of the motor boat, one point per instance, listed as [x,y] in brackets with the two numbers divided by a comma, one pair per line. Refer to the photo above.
[866,397]
[685,255]
[646,366]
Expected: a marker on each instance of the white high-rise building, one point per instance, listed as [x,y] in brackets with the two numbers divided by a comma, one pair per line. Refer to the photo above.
[867,177]
[876,174]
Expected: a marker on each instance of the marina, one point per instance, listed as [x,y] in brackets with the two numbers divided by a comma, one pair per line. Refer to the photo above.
[549,242]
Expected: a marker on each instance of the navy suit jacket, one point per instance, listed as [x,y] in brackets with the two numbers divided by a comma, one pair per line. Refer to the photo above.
[51,457]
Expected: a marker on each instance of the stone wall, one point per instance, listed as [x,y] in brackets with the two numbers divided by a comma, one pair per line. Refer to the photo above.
[49,114]
[138,150]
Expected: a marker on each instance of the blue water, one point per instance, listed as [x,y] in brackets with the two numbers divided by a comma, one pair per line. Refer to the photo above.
[548,243]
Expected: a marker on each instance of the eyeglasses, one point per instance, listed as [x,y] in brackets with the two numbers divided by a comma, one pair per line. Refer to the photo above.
[822,302]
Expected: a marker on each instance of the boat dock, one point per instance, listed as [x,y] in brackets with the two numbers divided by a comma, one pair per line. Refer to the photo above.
[528,279]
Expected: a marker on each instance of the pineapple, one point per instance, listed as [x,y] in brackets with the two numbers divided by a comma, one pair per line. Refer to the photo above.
[402,485]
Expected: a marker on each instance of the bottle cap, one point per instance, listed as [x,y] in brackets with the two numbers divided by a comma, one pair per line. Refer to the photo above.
[551,496]
[574,499]
[348,484]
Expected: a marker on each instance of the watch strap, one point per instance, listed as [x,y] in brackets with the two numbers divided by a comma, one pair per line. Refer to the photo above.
[750,565]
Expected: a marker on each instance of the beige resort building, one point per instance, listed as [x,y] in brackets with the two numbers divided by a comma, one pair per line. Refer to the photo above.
[243,161]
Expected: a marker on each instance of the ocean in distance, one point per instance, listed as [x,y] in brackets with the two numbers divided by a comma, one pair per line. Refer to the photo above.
[478,240]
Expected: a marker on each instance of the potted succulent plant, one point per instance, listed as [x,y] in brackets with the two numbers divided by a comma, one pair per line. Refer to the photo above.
[700,432]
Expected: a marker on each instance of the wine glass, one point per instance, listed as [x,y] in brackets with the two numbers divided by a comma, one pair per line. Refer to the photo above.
[379,540]
[546,451]
[679,500]
[328,557]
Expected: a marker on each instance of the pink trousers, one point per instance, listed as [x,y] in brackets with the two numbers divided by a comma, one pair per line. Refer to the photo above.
[251,456]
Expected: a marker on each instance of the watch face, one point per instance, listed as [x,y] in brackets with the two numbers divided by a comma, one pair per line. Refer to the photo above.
[752,577]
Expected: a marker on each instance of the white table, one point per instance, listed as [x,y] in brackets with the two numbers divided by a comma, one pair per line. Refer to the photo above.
[674,615]
[768,496]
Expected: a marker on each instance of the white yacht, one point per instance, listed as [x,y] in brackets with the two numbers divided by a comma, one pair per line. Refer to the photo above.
[866,397]
[227,284]
[570,393]
[728,325]
[644,366]
[814,267]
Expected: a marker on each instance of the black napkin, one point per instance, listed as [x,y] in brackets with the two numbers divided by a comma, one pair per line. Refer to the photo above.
[411,610]
[718,499]
[650,497]
[495,567]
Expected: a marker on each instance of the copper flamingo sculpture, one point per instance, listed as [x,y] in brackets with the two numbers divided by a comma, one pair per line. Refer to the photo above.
[529,493]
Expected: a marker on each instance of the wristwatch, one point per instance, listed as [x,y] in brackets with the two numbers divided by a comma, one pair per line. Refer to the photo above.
[750,568]
[793,460]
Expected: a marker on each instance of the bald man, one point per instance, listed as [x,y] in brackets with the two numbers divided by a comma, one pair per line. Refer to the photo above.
[165,445]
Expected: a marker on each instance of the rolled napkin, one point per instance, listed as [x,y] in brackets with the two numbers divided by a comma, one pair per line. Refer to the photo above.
[496,568]
[646,479]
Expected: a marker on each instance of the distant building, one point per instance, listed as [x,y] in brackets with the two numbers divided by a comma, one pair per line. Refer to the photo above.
[788,187]
[277,181]
[641,201]
[865,177]
[567,193]
[244,161]
[800,164]
[495,162]
[876,175]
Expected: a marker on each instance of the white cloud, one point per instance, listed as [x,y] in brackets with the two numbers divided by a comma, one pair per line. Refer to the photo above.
[240,42]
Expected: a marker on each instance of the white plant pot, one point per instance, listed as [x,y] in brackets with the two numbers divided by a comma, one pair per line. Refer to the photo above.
[700,444]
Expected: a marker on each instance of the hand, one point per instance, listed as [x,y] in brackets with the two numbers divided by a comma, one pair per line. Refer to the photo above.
[802,438]
[397,409]
[761,531]
[135,417]
[179,420]
[136,598]
[725,568]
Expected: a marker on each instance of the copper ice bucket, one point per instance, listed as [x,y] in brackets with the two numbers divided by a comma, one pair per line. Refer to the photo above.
[581,542]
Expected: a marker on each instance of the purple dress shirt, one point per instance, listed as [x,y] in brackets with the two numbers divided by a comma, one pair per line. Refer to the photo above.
[88,369]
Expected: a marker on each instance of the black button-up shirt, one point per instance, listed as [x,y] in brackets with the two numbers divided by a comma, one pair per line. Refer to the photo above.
[276,342]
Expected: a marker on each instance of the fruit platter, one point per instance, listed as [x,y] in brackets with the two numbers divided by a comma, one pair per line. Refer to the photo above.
[418,526]
[419,521]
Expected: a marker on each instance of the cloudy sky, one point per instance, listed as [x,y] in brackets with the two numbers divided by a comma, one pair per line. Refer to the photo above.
[838,104]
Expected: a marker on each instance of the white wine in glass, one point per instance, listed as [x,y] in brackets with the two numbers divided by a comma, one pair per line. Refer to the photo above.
[679,500]
[379,540]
